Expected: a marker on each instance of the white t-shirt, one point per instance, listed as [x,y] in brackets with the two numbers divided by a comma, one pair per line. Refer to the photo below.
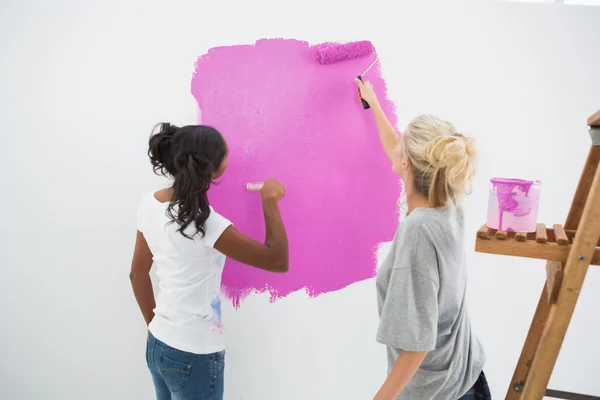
[188,307]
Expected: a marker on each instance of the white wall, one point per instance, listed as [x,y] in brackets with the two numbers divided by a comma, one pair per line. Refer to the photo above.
[82,83]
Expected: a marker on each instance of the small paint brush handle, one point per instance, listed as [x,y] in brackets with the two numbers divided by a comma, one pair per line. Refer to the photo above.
[254,187]
[364,103]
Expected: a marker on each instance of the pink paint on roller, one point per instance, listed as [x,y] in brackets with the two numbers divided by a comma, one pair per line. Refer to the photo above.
[286,115]
[335,53]
[513,204]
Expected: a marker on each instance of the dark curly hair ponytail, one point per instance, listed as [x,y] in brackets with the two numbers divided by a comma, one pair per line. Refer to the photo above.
[189,155]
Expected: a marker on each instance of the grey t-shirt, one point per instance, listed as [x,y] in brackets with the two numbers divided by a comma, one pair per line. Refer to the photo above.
[421,290]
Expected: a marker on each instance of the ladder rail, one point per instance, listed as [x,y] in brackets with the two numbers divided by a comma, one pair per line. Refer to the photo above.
[559,316]
[527,360]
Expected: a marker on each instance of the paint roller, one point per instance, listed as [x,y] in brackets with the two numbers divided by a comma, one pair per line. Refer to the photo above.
[348,51]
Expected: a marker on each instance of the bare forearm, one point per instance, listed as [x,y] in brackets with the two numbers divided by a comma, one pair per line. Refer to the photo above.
[387,133]
[275,235]
[144,295]
[405,368]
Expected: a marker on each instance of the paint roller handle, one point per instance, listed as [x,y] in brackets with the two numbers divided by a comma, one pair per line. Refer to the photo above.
[366,93]
[269,189]
[364,103]
[254,186]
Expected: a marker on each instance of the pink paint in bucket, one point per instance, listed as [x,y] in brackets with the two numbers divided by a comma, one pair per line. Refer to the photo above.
[513,205]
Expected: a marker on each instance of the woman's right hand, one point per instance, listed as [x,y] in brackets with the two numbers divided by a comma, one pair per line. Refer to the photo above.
[273,254]
[366,92]
[272,189]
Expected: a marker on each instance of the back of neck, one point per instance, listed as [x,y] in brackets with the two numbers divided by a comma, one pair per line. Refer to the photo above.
[416,200]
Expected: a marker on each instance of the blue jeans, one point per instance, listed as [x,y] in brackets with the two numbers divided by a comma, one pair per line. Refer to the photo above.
[178,375]
[479,391]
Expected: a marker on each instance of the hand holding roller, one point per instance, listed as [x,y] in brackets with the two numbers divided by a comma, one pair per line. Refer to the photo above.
[366,92]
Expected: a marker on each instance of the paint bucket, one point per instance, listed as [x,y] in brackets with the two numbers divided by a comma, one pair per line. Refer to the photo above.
[513,204]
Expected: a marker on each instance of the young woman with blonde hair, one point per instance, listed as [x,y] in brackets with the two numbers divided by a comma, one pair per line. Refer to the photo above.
[421,286]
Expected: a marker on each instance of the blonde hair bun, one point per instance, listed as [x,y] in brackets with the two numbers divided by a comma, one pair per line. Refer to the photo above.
[442,159]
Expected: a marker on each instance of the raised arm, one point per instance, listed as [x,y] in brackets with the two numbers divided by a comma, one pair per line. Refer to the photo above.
[387,133]
[273,254]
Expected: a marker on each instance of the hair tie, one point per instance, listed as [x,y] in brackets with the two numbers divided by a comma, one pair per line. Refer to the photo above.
[201,161]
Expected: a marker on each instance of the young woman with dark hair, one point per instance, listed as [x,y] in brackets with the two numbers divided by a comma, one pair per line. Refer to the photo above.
[187,241]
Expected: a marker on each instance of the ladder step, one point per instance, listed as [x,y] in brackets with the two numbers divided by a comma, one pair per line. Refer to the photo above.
[560,235]
[484,232]
[551,244]
[558,394]
[540,234]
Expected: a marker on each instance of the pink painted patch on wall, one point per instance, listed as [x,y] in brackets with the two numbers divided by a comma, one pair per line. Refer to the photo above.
[286,116]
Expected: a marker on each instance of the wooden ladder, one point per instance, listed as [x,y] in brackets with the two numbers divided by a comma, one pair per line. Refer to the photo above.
[569,251]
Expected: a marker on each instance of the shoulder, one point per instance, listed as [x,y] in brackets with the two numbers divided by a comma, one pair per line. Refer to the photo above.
[145,200]
[415,244]
[435,221]
[142,209]
[411,237]
[214,215]
[216,222]
[411,227]
[215,225]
